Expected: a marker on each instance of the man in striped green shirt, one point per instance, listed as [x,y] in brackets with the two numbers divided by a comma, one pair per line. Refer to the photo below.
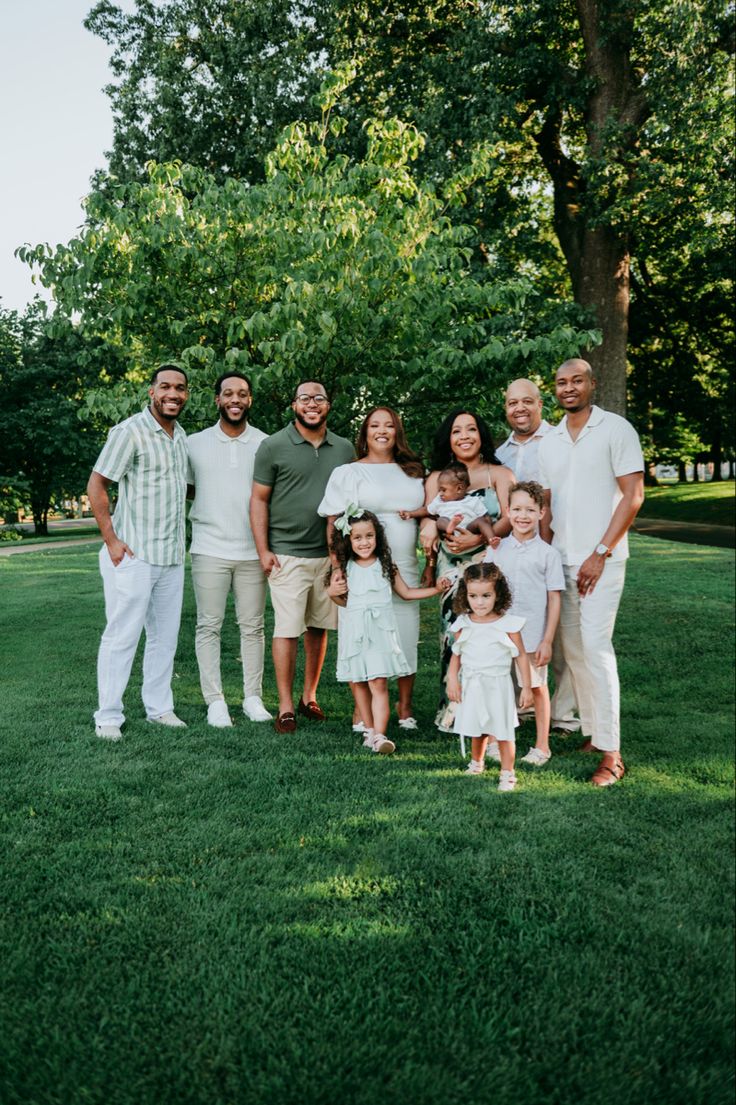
[142,560]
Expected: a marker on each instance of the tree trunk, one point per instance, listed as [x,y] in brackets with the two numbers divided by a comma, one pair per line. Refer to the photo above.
[40,518]
[650,476]
[602,286]
[681,471]
[717,456]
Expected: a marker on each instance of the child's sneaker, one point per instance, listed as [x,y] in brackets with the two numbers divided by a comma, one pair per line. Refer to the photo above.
[368,735]
[506,780]
[536,757]
[492,752]
[475,767]
[382,745]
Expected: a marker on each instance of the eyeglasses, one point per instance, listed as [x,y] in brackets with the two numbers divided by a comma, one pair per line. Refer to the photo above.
[318,400]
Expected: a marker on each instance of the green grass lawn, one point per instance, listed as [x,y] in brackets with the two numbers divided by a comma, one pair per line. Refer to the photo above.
[692,502]
[226,917]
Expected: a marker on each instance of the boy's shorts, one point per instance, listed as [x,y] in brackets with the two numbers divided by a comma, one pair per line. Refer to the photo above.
[299,596]
[539,675]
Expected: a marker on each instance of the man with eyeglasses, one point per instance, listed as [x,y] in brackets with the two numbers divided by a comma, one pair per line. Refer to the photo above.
[292,468]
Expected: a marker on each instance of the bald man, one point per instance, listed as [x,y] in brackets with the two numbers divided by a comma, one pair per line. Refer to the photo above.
[519,451]
[592,470]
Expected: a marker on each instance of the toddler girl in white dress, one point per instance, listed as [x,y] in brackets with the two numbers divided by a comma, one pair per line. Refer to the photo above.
[479,678]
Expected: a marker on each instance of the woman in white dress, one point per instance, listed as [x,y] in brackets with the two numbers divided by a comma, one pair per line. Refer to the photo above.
[386,478]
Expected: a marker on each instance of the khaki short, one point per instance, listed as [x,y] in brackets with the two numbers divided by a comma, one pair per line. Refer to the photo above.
[539,675]
[299,597]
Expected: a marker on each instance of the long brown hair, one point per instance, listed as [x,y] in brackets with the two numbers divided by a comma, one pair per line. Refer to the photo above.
[404,456]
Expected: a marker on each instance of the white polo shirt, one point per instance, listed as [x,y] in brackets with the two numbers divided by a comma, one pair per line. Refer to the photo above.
[581,476]
[221,469]
[532,568]
[522,457]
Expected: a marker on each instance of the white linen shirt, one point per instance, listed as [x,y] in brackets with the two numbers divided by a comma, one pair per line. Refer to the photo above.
[221,469]
[581,476]
[522,457]
[532,568]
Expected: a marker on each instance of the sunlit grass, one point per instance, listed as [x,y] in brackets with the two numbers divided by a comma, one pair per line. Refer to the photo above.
[225,917]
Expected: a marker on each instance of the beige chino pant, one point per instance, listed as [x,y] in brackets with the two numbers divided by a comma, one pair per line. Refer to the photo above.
[213,580]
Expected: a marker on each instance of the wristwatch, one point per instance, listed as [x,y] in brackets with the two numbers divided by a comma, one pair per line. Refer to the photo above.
[602,550]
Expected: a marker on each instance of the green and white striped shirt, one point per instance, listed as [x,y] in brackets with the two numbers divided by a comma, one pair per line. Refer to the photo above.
[150,469]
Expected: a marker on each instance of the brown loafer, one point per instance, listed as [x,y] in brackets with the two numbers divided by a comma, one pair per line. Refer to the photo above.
[605,775]
[310,710]
[285,723]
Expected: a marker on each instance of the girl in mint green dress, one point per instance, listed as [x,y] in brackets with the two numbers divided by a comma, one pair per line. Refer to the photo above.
[369,652]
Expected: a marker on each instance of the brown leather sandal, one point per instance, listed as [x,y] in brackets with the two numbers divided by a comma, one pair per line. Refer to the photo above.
[605,776]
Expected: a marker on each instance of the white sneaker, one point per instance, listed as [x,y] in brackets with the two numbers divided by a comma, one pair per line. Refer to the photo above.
[169,719]
[536,757]
[382,744]
[108,732]
[254,709]
[358,727]
[408,723]
[218,714]
[492,752]
[475,767]
[506,780]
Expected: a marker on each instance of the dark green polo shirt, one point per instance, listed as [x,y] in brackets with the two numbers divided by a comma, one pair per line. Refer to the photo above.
[297,474]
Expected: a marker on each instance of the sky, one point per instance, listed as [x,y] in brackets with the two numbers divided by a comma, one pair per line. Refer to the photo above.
[55,126]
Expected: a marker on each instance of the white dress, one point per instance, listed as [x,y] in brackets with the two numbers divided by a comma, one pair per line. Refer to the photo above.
[385,489]
[368,642]
[486,652]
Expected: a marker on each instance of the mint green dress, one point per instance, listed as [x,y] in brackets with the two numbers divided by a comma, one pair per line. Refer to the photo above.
[368,645]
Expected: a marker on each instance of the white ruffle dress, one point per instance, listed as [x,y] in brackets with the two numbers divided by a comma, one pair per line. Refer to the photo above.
[486,652]
[368,644]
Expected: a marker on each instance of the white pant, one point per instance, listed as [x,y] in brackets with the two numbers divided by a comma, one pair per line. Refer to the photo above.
[586,632]
[137,596]
[213,579]
[564,708]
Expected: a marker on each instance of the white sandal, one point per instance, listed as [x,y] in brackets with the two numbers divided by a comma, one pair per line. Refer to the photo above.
[408,723]
[506,781]
[536,757]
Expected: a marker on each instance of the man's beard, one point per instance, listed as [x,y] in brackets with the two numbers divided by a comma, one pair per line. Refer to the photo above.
[233,421]
[159,408]
[310,425]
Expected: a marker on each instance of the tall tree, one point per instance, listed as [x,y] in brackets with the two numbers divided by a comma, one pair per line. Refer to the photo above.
[349,265]
[45,451]
[208,82]
[625,105]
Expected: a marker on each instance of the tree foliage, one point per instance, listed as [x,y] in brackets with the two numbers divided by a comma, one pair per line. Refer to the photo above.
[45,452]
[350,270]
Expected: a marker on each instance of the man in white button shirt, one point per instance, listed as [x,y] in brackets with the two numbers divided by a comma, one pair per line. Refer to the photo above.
[224,556]
[520,450]
[520,453]
[592,470]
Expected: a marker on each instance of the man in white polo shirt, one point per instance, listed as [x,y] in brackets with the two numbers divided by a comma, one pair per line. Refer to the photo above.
[224,556]
[592,469]
[142,560]
[520,452]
